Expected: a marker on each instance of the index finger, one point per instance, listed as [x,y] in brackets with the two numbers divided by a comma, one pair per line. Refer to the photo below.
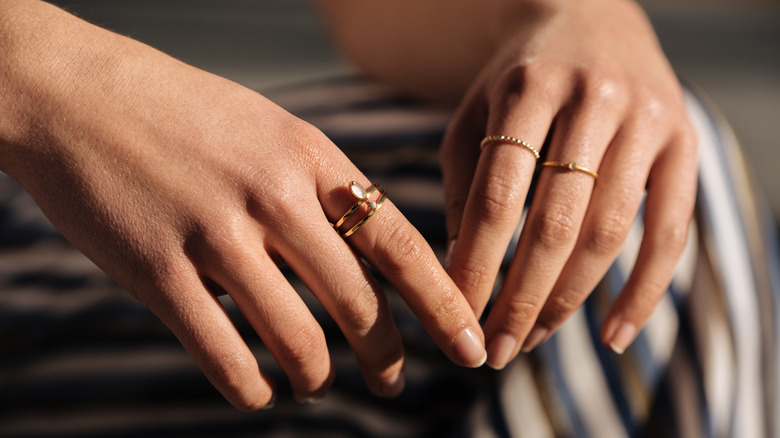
[496,198]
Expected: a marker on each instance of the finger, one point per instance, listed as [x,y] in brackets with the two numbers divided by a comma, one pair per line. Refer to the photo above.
[336,276]
[240,264]
[671,194]
[613,206]
[202,326]
[458,157]
[496,198]
[561,198]
[394,247]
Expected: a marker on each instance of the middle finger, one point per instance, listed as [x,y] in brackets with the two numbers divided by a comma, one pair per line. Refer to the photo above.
[340,281]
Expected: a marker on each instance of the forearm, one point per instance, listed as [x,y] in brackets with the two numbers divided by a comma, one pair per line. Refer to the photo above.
[433,48]
[53,66]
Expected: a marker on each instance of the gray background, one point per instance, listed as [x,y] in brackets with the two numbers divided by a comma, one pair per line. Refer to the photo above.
[731,48]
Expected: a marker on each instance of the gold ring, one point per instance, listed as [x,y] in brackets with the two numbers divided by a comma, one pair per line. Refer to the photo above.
[374,207]
[571,166]
[507,139]
[359,193]
[362,195]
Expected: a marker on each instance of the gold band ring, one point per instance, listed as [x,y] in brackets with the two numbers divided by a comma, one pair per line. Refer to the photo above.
[571,166]
[359,193]
[362,195]
[507,139]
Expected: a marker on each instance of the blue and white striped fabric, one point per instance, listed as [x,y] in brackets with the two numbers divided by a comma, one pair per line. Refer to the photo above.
[78,357]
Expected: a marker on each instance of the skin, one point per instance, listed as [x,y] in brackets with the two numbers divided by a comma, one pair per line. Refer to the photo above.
[582,81]
[182,186]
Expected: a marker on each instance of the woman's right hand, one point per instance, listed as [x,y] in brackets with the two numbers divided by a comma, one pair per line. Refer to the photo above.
[182,185]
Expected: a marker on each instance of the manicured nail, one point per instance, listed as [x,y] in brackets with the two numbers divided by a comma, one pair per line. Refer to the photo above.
[470,350]
[448,255]
[501,350]
[622,337]
[536,337]
[392,386]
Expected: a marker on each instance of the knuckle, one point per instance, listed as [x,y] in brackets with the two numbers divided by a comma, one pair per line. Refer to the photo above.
[472,275]
[559,307]
[603,90]
[226,232]
[305,345]
[647,295]
[650,106]
[446,306]
[522,310]
[360,313]
[555,227]
[671,239]
[400,247]
[496,200]
[608,232]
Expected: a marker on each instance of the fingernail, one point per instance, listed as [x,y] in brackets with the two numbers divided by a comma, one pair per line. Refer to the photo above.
[470,350]
[448,255]
[537,335]
[622,337]
[501,349]
[392,386]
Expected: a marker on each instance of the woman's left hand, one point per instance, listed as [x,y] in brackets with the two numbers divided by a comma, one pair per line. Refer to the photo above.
[588,83]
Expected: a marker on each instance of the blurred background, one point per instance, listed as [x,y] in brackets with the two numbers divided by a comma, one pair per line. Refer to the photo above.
[730,48]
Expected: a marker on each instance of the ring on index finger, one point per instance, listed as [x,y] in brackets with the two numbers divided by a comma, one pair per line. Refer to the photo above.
[363,196]
[507,139]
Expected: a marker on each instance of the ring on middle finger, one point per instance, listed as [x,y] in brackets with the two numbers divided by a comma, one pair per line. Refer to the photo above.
[363,196]
[359,193]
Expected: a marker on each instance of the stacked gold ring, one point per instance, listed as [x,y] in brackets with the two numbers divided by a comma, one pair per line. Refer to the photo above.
[363,197]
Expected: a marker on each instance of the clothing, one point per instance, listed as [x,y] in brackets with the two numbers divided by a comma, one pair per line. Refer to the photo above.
[79,357]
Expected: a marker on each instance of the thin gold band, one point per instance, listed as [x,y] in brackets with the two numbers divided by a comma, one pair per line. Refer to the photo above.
[571,166]
[507,139]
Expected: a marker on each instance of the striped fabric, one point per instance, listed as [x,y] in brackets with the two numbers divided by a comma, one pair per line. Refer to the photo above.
[79,358]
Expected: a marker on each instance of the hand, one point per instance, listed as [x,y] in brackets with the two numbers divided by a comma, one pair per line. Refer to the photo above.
[588,83]
[182,185]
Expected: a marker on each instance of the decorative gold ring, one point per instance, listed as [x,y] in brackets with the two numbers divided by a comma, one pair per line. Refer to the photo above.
[374,207]
[571,166]
[359,193]
[507,139]
[363,196]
